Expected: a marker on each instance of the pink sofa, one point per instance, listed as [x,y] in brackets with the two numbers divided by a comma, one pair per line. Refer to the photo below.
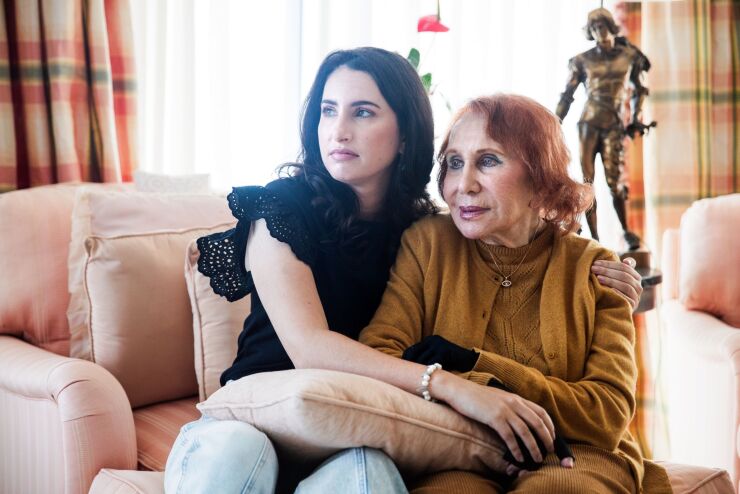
[63,419]
[701,318]
[67,425]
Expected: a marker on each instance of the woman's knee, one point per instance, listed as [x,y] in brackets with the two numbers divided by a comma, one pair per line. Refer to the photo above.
[376,471]
[228,454]
[355,470]
[376,461]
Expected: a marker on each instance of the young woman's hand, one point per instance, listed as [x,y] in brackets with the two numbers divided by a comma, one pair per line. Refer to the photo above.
[622,277]
[510,415]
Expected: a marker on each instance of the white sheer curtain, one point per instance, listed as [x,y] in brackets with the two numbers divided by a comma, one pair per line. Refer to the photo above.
[219,86]
[221,82]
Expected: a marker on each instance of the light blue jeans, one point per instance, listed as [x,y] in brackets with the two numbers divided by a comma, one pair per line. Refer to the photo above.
[228,456]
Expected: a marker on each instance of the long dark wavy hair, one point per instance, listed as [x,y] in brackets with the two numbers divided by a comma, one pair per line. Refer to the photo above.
[406,199]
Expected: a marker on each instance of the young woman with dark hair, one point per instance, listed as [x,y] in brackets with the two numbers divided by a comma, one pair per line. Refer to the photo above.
[405,199]
[314,250]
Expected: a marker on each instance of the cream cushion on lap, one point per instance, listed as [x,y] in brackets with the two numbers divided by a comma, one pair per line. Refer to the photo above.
[216,326]
[311,413]
[129,307]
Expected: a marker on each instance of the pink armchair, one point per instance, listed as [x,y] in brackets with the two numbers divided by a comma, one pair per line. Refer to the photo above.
[701,318]
[64,419]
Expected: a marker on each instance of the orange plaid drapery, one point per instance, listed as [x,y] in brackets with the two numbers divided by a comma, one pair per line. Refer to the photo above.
[695,96]
[694,48]
[648,424]
[67,107]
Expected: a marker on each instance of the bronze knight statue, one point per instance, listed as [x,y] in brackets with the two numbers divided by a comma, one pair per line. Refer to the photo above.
[606,71]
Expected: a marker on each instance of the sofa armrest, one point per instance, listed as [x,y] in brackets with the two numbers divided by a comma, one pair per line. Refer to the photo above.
[66,419]
[702,373]
[711,339]
[110,481]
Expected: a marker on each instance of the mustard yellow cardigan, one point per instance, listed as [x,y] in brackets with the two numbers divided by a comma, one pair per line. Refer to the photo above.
[436,287]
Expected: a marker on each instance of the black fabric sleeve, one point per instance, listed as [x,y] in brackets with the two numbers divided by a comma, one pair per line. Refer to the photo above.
[285,206]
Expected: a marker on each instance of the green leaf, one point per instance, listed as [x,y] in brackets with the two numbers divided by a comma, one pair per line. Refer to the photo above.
[413,58]
[426,81]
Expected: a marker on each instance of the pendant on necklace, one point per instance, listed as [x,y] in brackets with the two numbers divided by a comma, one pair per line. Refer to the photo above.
[506,283]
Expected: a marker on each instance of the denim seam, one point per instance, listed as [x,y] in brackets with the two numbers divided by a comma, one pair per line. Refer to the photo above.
[361,470]
[254,474]
[194,444]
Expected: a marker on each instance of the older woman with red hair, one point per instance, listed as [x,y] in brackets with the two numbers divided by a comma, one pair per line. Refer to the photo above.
[502,292]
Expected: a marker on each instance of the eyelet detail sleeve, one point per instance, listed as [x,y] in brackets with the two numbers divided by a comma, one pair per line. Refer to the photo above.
[222,254]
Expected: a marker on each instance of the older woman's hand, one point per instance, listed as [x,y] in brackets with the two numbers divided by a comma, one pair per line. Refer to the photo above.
[510,415]
[622,277]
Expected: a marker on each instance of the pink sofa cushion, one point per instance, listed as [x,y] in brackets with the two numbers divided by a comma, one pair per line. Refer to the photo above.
[157,426]
[35,233]
[689,479]
[710,257]
[129,308]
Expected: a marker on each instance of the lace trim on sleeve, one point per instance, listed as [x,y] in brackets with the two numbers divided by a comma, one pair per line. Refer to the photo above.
[222,260]
[222,254]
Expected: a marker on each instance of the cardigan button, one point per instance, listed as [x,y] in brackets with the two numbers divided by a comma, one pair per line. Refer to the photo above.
[552,355]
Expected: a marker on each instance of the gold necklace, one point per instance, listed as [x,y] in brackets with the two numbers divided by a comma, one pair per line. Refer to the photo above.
[506,282]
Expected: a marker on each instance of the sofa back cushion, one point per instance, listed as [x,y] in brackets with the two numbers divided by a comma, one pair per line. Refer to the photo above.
[35,233]
[129,307]
[710,258]
[216,326]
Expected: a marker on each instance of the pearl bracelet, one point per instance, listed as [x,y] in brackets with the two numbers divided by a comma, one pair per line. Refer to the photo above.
[424,389]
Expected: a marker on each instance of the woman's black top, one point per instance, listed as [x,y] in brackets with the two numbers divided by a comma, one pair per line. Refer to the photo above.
[350,274]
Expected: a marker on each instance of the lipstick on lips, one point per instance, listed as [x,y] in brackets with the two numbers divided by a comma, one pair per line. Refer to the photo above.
[342,154]
[471,212]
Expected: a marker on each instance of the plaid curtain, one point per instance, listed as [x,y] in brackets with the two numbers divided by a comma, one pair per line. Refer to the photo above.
[693,153]
[648,425]
[67,107]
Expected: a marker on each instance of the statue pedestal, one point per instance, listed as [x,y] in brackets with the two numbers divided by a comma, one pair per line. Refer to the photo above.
[651,278]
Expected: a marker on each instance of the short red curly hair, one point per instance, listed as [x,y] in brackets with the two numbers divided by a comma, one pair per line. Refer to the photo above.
[531,133]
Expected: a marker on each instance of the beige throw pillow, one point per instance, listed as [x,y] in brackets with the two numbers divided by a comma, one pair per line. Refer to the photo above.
[216,326]
[313,413]
[129,306]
